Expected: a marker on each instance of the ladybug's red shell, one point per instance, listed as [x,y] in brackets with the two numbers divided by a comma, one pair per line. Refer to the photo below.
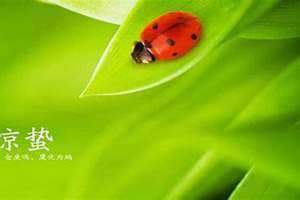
[171,35]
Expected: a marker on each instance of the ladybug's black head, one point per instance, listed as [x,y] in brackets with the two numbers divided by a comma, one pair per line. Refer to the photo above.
[141,54]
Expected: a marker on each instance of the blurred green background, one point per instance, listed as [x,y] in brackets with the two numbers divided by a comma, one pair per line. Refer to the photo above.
[152,144]
[46,56]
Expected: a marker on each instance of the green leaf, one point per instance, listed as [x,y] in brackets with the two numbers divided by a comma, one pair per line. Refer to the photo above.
[117,74]
[203,180]
[281,22]
[256,185]
[112,11]
[266,130]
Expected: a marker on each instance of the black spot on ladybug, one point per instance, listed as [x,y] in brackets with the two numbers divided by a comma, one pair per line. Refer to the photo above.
[174,54]
[194,36]
[155,26]
[170,42]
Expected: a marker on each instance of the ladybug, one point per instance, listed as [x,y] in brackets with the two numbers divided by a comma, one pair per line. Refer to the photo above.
[167,37]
